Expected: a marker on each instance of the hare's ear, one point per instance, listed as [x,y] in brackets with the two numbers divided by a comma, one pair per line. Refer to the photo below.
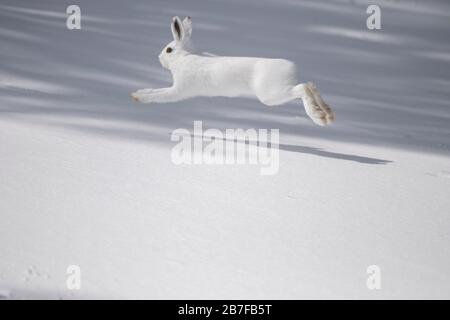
[177,29]
[187,25]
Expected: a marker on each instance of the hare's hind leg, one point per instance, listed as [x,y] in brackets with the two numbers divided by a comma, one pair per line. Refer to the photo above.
[313,110]
[322,104]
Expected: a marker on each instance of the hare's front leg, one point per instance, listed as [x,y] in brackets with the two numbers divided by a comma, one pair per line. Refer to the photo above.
[139,93]
[156,95]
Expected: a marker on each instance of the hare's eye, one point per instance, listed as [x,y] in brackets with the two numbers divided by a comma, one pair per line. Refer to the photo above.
[169,50]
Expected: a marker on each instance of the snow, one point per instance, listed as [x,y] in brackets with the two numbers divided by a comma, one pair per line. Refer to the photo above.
[86,176]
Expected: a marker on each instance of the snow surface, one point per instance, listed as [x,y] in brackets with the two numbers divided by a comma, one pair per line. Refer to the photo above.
[86,176]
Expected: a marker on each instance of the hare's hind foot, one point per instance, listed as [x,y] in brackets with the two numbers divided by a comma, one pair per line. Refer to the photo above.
[329,114]
[313,110]
[317,115]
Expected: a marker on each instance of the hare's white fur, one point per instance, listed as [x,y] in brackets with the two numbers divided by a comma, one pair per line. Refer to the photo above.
[272,81]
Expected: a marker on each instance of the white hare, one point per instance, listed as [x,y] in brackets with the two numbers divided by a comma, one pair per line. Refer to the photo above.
[272,81]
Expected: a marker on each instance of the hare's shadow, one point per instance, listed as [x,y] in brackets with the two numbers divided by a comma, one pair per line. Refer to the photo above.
[318,152]
[327,154]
